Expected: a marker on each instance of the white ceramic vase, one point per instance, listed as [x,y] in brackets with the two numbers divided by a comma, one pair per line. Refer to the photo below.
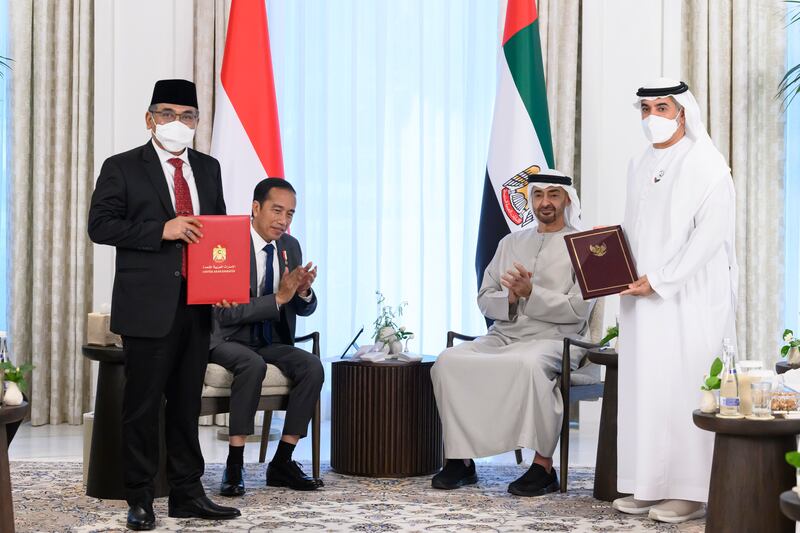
[793,357]
[708,403]
[12,396]
[387,335]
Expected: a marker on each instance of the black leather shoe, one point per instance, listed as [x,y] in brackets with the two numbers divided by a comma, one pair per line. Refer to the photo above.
[141,518]
[202,507]
[232,481]
[289,474]
[535,482]
[455,474]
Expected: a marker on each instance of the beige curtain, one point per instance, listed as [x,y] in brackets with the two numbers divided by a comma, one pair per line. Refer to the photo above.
[734,57]
[559,31]
[52,48]
[210,24]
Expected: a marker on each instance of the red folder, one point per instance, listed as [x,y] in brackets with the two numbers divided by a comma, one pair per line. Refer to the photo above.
[218,266]
[602,261]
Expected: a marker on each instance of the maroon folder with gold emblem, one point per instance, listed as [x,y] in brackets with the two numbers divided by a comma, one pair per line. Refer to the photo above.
[602,261]
[218,267]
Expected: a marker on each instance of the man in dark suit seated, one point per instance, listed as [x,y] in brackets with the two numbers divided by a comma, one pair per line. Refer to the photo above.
[144,204]
[246,337]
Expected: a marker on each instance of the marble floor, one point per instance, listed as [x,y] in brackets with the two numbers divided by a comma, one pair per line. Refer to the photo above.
[65,443]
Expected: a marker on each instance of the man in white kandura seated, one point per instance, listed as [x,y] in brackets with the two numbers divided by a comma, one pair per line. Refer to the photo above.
[679,220]
[500,392]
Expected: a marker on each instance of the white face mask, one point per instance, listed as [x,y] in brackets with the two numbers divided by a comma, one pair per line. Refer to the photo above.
[659,129]
[174,136]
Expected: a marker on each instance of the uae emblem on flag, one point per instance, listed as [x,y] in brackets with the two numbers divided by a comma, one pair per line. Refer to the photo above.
[515,197]
[246,138]
[520,143]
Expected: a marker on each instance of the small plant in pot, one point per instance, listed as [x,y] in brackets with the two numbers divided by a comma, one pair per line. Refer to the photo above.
[386,329]
[790,349]
[15,384]
[711,382]
[611,333]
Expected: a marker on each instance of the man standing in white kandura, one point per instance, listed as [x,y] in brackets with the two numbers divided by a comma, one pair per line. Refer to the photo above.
[679,220]
[500,392]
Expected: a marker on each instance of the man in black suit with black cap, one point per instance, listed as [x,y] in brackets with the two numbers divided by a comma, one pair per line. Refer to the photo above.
[145,202]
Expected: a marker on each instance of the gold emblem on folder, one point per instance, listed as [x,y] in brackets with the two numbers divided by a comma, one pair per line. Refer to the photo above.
[219,254]
[598,250]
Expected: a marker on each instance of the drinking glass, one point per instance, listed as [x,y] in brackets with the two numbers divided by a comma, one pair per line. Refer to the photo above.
[761,393]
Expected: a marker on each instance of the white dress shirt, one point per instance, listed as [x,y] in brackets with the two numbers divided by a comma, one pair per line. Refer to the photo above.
[261,262]
[169,175]
[261,266]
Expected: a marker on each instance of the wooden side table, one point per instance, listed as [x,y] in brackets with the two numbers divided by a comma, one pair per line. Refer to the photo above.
[605,469]
[384,421]
[749,473]
[8,415]
[106,478]
[790,505]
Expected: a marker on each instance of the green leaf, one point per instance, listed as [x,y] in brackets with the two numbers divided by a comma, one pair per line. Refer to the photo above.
[611,333]
[784,350]
[712,383]
[716,367]
[793,458]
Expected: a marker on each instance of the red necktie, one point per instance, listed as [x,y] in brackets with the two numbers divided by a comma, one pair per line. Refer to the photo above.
[183,199]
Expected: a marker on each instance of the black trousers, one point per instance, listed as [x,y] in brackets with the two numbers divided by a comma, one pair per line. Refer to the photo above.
[248,366]
[173,368]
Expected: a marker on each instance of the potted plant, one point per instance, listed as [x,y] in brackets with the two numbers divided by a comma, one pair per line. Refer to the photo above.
[611,333]
[790,349]
[15,383]
[386,329]
[711,382]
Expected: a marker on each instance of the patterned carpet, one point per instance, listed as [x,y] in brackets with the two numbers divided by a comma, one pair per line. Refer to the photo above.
[49,497]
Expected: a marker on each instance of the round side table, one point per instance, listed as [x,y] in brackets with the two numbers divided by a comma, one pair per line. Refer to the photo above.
[781,367]
[790,505]
[9,414]
[605,468]
[384,421]
[749,473]
[106,478]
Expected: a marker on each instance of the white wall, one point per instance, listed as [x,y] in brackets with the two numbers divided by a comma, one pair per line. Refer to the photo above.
[136,43]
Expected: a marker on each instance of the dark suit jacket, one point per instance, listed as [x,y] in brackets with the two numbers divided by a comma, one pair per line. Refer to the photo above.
[129,208]
[235,323]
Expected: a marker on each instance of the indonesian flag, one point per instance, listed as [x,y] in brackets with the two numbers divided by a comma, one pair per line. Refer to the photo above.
[246,137]
[520,140]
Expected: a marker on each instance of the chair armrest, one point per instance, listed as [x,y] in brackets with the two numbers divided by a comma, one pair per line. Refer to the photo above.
[565,361]
[314,336]
[581,344]
[452,335]
[566,367]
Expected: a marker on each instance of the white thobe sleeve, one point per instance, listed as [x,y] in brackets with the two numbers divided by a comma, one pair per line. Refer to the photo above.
[555,307]
[713,226]
[493,297]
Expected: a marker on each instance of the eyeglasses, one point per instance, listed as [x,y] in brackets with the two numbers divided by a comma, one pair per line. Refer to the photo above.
[187,117]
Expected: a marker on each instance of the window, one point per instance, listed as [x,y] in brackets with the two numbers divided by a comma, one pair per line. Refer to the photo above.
[792,192]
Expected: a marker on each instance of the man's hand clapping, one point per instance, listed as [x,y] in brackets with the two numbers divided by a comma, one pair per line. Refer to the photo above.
[297,281]
[311,275]
[518,282]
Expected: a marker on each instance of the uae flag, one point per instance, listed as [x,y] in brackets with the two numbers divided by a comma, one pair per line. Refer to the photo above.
[246,136]
[520,142]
